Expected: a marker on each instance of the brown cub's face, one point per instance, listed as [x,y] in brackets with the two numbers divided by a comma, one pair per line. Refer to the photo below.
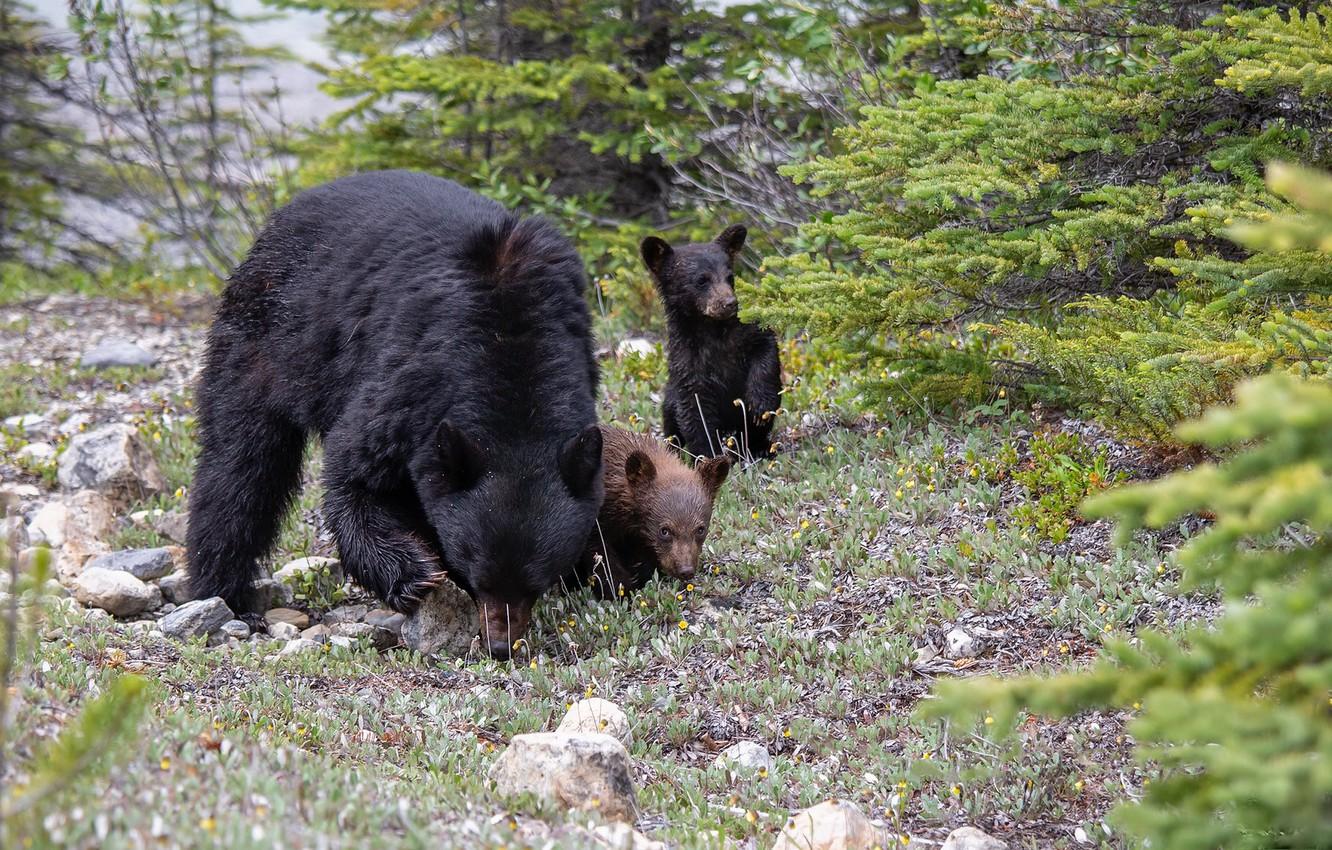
[698,278]
[676,510]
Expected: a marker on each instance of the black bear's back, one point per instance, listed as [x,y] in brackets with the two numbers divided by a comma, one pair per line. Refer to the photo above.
[394,271]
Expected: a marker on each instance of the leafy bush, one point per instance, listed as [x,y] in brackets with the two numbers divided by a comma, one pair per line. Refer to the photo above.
[1061,470]
[1058,221]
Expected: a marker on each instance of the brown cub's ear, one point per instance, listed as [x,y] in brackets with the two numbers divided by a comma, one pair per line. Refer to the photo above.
[732,239]
[713,471]
[639,470]
[460,457]
[655,254]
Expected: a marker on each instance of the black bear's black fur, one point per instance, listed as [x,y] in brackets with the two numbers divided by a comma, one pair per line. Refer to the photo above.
[714,359]
[442,350]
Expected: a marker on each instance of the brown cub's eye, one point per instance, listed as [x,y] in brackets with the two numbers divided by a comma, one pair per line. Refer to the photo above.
[700,531]
[665,532]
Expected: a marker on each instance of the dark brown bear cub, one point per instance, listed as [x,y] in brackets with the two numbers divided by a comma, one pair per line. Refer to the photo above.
[725,376]
[655,515]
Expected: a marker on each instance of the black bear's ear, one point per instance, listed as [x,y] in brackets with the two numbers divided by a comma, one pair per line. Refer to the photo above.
[713,471]
[732,239]
[460,456]
[580,460]
[639,470]
[655,254]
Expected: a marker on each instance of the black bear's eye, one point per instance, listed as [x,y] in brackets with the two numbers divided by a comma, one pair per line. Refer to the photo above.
[665,532]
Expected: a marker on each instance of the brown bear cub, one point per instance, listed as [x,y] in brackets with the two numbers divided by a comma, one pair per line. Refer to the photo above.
[655,515]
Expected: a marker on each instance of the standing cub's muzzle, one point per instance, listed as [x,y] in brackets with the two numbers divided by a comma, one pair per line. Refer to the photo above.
[721,303]
[502,624]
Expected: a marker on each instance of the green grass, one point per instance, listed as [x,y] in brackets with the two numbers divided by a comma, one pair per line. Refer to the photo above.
[830,566]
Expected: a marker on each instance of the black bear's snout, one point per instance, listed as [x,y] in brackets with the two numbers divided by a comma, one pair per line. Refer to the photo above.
[503,624]
[722,305]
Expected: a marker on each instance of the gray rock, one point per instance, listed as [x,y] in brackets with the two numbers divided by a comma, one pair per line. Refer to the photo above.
[346,614]
[197,618]
[113,460]
[116,352]
[745,757]
[386,619]
[598,715]
[173,525]
[115,592]
[585,770]
[271,593]
[340,641]
[318,634]
[971,838]
[14,532]
[141,563]
[175,587]
[235,629]
[444,624]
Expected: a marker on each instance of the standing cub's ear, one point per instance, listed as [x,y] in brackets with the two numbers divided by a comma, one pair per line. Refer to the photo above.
[655,253]
[713,471]
[732,239]
[461,459]
[639,470]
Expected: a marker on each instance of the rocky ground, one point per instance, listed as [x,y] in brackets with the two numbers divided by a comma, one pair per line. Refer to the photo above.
[770,706]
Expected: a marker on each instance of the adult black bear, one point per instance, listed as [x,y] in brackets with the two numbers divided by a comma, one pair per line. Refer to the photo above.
[442,350]
[725,375]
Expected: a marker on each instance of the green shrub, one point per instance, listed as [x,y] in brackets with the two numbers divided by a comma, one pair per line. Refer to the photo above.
[1061,470]
[1059,222]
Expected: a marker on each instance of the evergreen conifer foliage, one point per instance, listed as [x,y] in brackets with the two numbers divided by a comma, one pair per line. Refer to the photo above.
[1238,714]
[1062,225]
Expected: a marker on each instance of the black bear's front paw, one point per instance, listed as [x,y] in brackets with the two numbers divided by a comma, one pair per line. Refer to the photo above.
[420,573]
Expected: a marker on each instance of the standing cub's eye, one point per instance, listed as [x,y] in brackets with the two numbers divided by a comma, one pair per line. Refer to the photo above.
[730,280]
[702,281]
[665,532]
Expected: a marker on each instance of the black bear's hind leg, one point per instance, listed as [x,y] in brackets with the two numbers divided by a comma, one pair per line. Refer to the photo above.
[248,470]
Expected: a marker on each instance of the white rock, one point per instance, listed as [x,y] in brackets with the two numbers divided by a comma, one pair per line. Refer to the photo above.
[283,631]
[745,757]
[91,519]
[47,527]
[598,715]
[635,345]
[25,422]
[832,825]
[14,533]
[622,836]
[340,641]
[960,644]
[585,770]
[297,646]
[113,460]
[115,592]
[444,624]
[36,453]
[197,618]
[116,352]
[970,838]
[292,569]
